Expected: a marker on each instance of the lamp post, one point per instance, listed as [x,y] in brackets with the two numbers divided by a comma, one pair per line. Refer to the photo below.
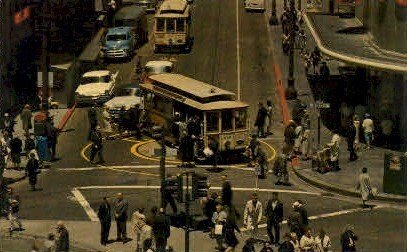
[291,92]
[273,18]
[162,165]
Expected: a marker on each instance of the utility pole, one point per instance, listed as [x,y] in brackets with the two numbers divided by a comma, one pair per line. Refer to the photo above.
[291,92]
[187,198]
[45,61]
[162,166]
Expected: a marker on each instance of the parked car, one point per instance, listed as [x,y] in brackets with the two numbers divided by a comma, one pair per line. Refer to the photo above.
[119,42]
[95,87]
[126,97]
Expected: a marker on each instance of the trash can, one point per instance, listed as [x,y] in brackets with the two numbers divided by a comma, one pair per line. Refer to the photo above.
[395,174]
[42,148]
[39,124]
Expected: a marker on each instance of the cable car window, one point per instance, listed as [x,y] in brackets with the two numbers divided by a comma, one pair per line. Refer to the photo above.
[212,121]
[227,123]
[180,25]
[170,25]
[160,24]
[240,119]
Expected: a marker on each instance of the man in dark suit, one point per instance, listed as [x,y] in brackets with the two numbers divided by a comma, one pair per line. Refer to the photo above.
[226,191]
[274,214]
[161,230]
[120,214]
[105,217]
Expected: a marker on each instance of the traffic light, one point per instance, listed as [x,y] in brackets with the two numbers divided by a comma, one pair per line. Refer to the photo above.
[199,186]
[173,185]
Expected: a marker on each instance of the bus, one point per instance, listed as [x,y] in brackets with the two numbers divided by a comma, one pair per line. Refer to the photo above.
[172,101]
[172,25]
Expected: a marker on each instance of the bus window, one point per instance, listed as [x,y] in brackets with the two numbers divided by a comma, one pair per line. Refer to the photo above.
[227,123]
[240,119]
[212,121]
[160,24]
[170,25]
[180,25]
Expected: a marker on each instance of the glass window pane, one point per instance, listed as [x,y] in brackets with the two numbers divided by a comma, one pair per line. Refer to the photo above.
[212,121]
[170,25]
[227,123]
[160,24]
[240,119]
[180,25]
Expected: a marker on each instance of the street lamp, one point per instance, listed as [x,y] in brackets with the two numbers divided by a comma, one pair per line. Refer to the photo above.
[291,92]
[273,18]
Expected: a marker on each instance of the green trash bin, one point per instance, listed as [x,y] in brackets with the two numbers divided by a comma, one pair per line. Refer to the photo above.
[395,174]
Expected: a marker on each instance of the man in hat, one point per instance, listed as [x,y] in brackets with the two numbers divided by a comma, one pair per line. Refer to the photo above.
[368,127]
[120,215]
[261,120]
[253,213]
[274,214]
[32,170]
[26,116]
[62,238]
[97,145]
[226,191]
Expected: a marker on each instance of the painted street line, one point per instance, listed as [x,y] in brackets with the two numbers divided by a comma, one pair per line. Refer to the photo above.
[85,204]
[134,172]
[321,216]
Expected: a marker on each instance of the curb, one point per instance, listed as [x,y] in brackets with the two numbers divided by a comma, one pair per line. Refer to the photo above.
[9,181]
[345,192]
[66,117]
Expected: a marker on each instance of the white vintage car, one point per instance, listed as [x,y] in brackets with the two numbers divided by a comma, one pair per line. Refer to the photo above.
[96,87]
[127,96]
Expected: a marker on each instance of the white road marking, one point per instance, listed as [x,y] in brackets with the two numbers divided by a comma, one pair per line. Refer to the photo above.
[148,167]
[238,49]
[85,204]
[326,215]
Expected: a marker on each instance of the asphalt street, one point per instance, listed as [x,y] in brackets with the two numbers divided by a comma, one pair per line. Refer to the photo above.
[72,182]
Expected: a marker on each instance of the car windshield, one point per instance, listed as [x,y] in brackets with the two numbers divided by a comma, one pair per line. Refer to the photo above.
[116,37]
[95,79]
[158,69]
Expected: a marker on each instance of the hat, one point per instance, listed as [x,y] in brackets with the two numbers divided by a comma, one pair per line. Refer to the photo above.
[367,115]
[296,204]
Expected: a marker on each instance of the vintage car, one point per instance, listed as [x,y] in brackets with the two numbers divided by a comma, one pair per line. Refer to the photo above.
[119,42]
[126,97]
[95,87]
[156,67]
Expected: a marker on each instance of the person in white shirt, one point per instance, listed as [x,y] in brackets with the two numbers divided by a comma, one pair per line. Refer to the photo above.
[307,242]
[253,213]
[140,228]
[323,242]
[368,128]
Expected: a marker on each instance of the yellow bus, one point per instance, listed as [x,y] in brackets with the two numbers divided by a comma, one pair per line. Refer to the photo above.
[174,99]
[172,26]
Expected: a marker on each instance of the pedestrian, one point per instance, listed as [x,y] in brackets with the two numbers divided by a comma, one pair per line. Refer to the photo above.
[274,215]
[120,214]
[286,246]
[303,216]
[161,230]
[105,218]
[295,242]
[13,215]
[269,116]
[253,147]
[52,136]
[266,247]
[230,227]
[227,193]
[298,139]
[294,220]
[334,151]
[280,169]
[49,243]
[261,120]
[9,123]
[323,242]
[214,151]
[168,198]
[351,135]
[140,228]
[62,238]
[209,209]
[135,119]
[324,71]
[97,145]
[348,239]
[262,163]
[186,149]
[25,117]
[15,151]
[219,219]
[307,242]
[93,120]
[32,170]
[316,58]
[253,213]
[368,128]
[356,123]
[289,136]
[364,186]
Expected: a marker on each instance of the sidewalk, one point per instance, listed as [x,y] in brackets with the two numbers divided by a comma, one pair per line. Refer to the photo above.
[343,181]
[61,116]
[84,237]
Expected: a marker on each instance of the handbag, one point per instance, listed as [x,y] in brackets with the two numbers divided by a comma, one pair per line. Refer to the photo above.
[218,229]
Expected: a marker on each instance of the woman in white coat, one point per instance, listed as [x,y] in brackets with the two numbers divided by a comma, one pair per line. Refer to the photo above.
[364,186]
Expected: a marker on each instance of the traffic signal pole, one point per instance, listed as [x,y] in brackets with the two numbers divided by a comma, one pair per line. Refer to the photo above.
[162,167]
[187,197]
